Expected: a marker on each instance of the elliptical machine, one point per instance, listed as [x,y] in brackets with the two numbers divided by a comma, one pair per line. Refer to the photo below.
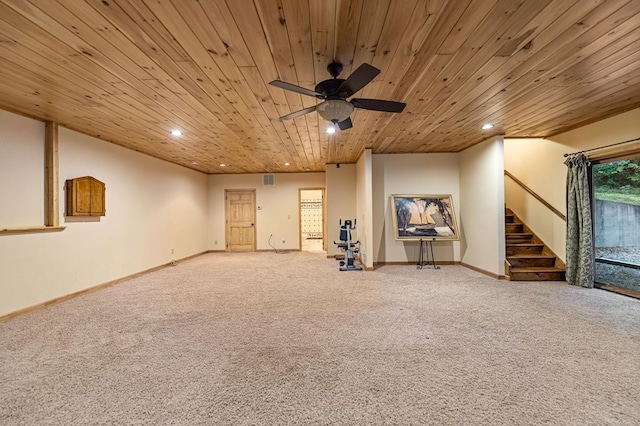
[350,248]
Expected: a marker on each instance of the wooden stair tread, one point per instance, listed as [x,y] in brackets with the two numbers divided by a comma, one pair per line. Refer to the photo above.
[537,269]
[530,256]
[525,259]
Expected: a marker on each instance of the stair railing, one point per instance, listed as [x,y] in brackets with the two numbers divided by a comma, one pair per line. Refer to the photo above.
[536,196]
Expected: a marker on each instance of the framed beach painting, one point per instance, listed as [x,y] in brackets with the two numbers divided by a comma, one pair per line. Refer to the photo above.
[424,217]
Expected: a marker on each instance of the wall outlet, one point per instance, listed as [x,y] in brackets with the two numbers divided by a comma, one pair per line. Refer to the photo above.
[215,242]
[171,251]
[283,241]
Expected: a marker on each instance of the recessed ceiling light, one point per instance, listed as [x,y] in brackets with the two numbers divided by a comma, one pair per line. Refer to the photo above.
[287,164]
[176,133]
[223,165]
[331,130]
[487,126]
[193,162]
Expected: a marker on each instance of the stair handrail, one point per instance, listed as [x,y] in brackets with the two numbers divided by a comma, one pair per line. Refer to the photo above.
[536,196]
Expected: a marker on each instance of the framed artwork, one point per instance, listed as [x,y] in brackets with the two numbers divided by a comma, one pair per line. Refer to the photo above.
[424,217]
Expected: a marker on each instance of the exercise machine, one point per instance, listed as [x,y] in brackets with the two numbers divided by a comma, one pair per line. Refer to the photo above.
[349,247]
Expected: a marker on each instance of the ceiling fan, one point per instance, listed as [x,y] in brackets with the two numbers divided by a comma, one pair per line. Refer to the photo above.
[335,91]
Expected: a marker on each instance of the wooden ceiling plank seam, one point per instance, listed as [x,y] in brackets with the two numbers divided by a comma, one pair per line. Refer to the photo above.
[144,28]
[347,27]
[541,60]
[182,31]
[274,25]
[79,83]
[271,17]
[148,45]
[298,25]
[578,43]
[543,99]
[564,101]
[471,22]
[137,110]
[628,91]
[630,59]
[257,45]
[247,20]
[221,19]
[624,105]
[27,76]
[375,15]
[447,18]
[98,57]
[190,84]
[473,58]
[198,21]
[323,20]
[101,127]
[496,79]
[413,39]
[604,62]
[296,15]
[252,75]
[421,21]
[388,43]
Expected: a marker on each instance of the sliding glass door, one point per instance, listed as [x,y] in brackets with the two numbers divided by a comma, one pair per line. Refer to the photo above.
[616,187]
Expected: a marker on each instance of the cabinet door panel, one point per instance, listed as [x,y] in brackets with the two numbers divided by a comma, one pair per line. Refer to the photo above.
[97,198]
[82,189]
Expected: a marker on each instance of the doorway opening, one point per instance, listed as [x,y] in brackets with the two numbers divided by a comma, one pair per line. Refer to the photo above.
[616,217]
[312,213]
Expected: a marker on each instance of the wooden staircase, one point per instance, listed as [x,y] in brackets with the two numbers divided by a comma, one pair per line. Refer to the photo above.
[528,259]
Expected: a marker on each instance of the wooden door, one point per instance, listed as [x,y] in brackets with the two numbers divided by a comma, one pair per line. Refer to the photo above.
[240,211]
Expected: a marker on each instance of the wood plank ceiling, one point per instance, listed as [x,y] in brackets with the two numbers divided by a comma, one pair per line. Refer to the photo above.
[129,71]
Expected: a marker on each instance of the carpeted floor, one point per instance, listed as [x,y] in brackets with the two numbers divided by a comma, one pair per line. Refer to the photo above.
[271,339]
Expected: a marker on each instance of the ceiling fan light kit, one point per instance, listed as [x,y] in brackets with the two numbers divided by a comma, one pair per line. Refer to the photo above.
[335,110]
[335,92]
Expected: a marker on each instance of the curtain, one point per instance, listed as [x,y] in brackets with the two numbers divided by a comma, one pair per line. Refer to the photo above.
[580,257]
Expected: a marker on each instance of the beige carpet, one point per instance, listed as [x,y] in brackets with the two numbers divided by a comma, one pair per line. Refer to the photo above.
[272,339]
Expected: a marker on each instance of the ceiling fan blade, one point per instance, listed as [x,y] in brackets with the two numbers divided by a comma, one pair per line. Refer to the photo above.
[358,79]
[298,113]
[292,87]
[378,105]
[345,124]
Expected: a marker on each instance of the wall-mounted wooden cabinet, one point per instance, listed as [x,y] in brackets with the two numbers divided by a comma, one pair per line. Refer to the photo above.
[85,197]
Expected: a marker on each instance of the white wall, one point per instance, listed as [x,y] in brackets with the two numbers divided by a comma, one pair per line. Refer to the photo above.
[21,188]
[411,174]
[152,208]
[341,202]
[482,206]
[539,164]
[364,207]
[278,213]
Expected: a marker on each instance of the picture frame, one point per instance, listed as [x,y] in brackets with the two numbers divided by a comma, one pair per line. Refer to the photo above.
[424,217]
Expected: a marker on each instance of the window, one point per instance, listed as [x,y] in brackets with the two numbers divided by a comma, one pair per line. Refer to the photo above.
[616,214]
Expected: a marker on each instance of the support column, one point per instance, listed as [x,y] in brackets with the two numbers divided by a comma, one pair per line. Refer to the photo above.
[52,214]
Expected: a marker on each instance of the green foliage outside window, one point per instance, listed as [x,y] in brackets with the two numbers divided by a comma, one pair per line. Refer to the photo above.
[618,181]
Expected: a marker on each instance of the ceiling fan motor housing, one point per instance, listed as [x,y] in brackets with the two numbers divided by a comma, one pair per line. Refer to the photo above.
[329,89]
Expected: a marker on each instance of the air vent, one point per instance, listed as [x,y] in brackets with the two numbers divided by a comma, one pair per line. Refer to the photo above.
[268,180]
